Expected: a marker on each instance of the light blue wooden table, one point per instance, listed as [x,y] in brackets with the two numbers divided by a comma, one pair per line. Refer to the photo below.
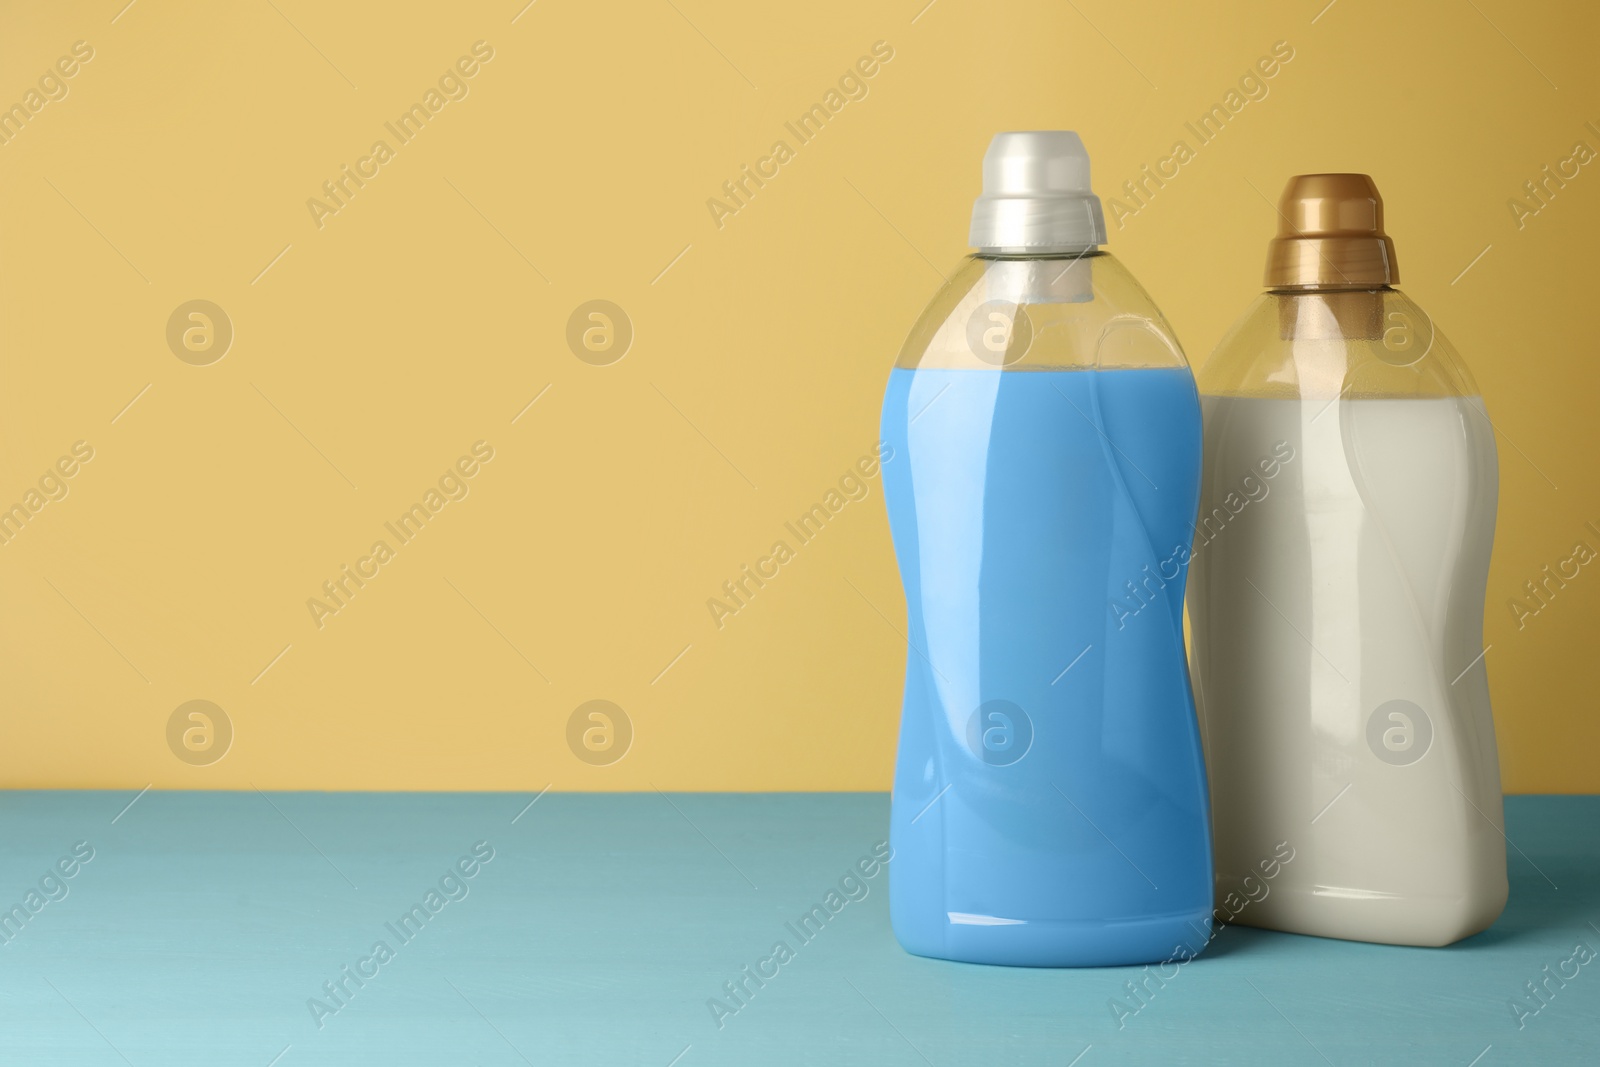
[206,927]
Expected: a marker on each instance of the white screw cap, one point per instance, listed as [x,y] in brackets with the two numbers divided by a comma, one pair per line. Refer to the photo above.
[1036,197]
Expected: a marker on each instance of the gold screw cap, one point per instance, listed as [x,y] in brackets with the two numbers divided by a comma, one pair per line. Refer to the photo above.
[1330,235]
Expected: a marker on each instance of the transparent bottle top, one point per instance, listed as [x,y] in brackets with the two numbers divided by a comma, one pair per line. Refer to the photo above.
[1073,312]
[1327,344]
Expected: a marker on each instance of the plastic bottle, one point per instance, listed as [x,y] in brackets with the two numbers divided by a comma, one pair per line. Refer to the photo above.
[1049,803]
[1337,595]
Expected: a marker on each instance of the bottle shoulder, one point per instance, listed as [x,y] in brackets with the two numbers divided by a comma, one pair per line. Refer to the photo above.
[1325,345]
[1046,313]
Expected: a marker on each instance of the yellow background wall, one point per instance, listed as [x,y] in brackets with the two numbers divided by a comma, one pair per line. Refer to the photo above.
[373,350]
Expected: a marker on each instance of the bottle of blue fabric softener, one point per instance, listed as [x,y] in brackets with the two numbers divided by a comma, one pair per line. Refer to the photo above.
[1050,804]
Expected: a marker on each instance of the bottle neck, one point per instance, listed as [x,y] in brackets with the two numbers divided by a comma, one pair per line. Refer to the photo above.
[1037,253]
[1321,313]
[1305,290]
[1039,278]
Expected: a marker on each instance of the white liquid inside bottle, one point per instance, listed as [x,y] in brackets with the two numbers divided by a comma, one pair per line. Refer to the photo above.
[1338,659]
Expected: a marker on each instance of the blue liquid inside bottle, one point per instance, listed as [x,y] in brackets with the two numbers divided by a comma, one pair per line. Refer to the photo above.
[1050,803]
